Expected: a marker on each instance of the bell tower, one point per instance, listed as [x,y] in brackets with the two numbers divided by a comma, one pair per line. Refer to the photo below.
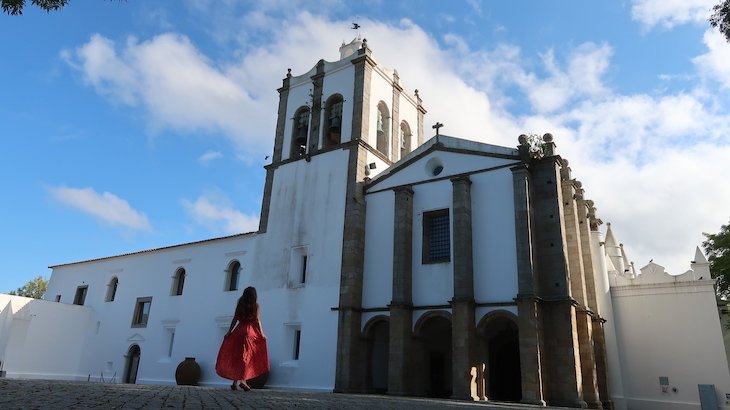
[338,124]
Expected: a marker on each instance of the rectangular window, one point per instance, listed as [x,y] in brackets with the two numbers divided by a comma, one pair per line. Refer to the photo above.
[171,340]
[58,298]
[436,236]
[80,296]
[141,312]
[293,334]
[297,342]
[298,266]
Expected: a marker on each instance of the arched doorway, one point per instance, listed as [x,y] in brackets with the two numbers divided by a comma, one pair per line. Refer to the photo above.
[377,332]
[434,334]
[132,364]
[501,353]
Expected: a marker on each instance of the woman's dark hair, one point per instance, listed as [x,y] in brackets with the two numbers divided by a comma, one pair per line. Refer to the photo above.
[247,306]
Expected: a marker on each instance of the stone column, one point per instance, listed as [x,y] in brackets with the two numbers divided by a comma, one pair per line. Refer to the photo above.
[276,157]
[599,347]
[562,368]
[350,368]
[317,84]
[463,336]
[421,113]
[395,120]
[528,320]
[401,307]
[584,326]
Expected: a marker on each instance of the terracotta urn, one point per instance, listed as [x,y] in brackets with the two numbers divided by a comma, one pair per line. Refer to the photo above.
[188,372]
[258,382]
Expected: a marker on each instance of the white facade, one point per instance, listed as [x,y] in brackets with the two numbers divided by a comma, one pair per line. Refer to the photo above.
[668,335]
[656,325]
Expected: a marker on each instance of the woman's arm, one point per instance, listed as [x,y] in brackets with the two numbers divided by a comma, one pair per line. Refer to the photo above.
[233,324]
[258,320]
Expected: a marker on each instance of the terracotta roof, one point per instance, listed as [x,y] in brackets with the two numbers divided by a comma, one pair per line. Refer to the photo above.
[238,235]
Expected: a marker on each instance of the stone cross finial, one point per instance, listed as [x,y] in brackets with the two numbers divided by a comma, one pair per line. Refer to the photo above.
[437,126]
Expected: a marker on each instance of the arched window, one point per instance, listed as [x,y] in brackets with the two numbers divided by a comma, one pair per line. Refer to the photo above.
[178,282]
[382,128]
[232,274]
[299,133]
[333,121]
[405,139]
[111,291]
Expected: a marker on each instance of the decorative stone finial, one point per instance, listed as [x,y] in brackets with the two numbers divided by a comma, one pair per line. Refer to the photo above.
[548,137]
[288,73]
[522,139]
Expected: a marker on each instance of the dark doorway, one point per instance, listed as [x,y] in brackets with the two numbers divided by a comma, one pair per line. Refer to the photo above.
[436,344]
[379,339]
[132,364]
[504,379]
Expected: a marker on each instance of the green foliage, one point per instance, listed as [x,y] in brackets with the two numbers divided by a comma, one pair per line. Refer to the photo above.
[15,7]
[35,288]
[720,18]
[717,248]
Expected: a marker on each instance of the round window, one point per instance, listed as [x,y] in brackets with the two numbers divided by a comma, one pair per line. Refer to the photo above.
[434,167]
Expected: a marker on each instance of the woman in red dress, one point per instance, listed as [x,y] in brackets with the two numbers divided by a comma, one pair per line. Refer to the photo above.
[243,354]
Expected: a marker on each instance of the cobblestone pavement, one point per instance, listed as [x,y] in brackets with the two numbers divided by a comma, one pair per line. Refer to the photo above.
[55,394]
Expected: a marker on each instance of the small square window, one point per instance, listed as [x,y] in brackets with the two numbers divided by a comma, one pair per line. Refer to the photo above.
[80,296]
[141,312]
[436,236]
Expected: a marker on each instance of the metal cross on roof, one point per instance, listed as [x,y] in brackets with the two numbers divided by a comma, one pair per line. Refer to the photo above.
[436,127]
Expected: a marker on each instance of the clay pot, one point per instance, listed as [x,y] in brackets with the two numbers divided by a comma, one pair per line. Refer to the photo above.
[187,372]
[258,382]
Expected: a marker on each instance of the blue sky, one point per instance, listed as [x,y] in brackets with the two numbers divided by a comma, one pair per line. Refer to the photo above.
[132,125]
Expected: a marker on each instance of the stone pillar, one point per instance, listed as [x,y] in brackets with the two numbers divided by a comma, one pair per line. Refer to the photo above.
[350,368]
[317,84]
[395,120]
[463,336]
[584,326]
[400,373]
[528,320]
[599,347]
[562,368]
[421,113]
[276,156]
[596,322]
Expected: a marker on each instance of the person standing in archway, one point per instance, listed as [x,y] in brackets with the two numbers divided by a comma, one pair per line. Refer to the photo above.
[243,354]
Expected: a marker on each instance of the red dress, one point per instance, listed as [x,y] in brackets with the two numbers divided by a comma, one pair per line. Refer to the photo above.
[243,354]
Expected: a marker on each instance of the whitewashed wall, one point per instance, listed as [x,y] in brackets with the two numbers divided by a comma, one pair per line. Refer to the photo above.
[43,339]
[307,210]
[493,237]
[669,328]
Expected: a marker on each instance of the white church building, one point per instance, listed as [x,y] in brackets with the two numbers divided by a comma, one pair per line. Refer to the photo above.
[388,263]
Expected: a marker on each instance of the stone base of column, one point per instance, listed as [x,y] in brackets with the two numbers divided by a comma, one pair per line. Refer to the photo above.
[534,402]
[595,405]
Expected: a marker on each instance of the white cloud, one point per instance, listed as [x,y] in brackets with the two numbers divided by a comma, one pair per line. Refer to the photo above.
[104,206]
[715,64]
[651,161]
[216,212]
[670,13]
[177,86]
[209,156]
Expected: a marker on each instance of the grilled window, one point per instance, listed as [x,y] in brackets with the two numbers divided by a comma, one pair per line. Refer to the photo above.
[436,236]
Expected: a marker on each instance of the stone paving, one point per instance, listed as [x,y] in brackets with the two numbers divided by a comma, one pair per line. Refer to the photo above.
[56,394]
